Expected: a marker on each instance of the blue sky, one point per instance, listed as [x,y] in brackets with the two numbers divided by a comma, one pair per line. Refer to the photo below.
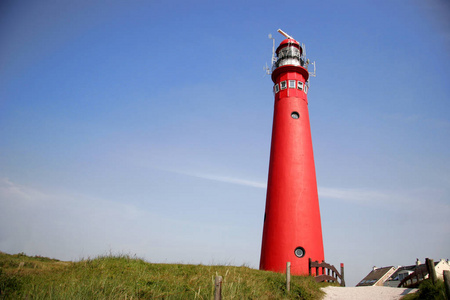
[144,127]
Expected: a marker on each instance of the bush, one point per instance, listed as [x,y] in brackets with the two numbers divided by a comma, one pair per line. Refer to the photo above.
[428,291]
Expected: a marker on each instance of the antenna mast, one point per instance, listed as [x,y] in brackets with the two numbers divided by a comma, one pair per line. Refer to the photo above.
[285,34]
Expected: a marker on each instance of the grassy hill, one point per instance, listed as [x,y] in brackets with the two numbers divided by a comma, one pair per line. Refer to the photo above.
[125,277]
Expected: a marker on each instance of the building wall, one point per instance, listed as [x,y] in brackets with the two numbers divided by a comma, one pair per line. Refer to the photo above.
[395,283]
[441,267]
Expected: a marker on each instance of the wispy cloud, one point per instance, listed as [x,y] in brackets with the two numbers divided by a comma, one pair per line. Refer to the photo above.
[413,200]
[65,225]
[395,199]
[13,191]
[226,179]
[354,195]
[46,222]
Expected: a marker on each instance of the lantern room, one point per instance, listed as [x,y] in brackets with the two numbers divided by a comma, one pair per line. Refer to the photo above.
[289,53]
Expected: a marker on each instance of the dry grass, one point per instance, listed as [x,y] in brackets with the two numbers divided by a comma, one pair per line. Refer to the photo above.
[125,277]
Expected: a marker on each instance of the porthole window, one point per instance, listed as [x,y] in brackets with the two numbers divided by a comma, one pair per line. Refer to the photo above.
[292,84]
[299,252]
[283,85]
[300,85]
[295,115]
[277,88]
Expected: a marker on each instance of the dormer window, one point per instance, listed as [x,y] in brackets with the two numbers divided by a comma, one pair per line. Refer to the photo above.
[276,88]
[292,84]
[300,85]
[283,85]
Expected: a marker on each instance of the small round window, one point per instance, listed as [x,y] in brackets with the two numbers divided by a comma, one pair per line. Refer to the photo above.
[299,252]
[295,115]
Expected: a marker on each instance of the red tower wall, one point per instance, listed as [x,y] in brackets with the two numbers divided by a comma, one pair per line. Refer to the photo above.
[292,217]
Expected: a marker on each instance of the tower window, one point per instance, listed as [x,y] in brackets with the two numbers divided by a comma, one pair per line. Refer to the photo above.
[292,84]
[306,89]
[277,88]
[299,252]
[295,115]
[283,85]
[300,85]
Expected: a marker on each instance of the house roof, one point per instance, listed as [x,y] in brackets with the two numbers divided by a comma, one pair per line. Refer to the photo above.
[420,268]
[401,269]
[374,276]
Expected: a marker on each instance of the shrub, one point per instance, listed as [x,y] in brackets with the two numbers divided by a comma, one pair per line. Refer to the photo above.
[428,291]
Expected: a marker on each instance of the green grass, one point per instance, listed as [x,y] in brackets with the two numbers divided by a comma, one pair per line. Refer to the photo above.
[126,277]
[428,291]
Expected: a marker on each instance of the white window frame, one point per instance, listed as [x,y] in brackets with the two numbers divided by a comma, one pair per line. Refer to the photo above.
[283,83]
[306,89]
[300,85]
[292,84]
[276,88]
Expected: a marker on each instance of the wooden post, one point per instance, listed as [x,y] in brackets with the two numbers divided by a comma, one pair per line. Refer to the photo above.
[342,275]
[309,266]
[447,283]
[288,276]
[218,288]
[431,269]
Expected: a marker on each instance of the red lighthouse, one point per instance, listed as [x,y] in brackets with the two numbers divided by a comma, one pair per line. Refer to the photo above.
[292,228]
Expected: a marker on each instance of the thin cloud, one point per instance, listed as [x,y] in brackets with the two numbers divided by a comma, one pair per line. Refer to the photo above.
[13,191]
[62,225]
[411,200]
[226,179]
[70,226]
[354,195]
[402,199]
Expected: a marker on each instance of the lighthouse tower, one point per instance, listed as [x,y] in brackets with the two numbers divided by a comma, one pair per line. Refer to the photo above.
[292,229]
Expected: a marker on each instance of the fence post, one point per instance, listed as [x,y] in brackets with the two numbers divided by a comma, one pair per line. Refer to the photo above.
[309,266]
[342,275]
[218,288]
[288,276]
[431,269]
[447,283]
